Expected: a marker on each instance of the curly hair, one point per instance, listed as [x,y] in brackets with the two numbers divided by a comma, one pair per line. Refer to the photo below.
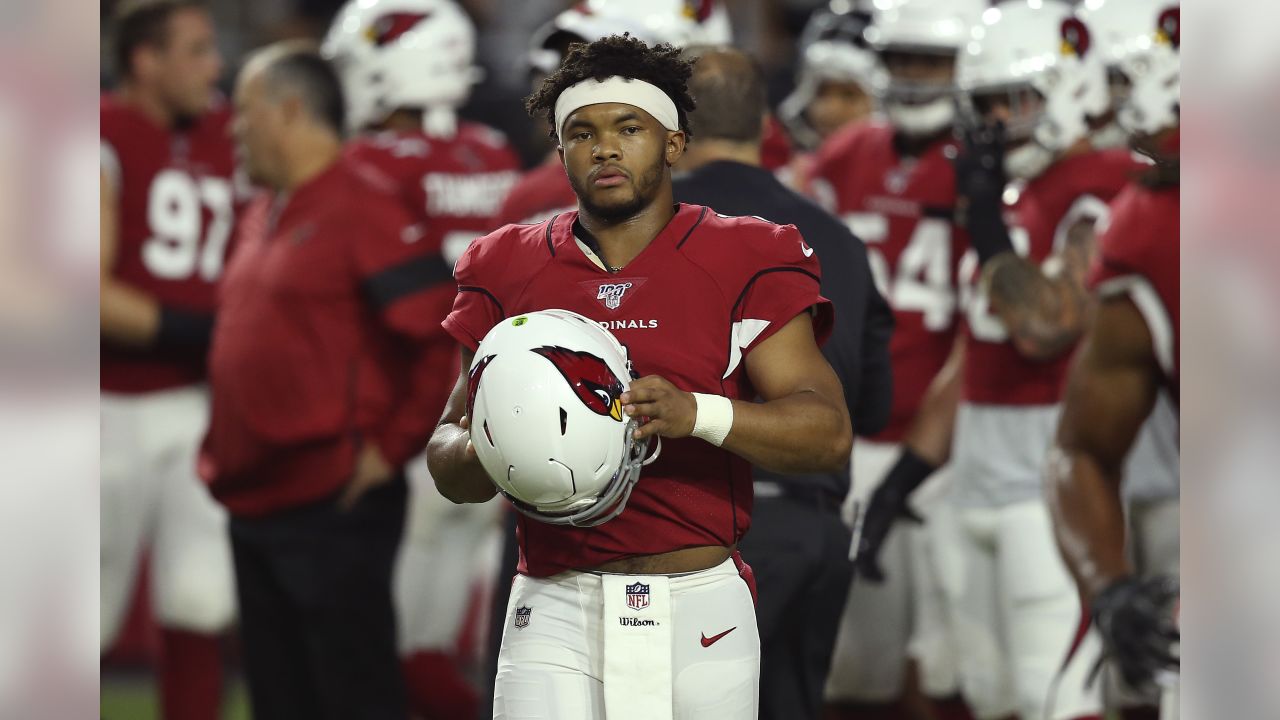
[625,56]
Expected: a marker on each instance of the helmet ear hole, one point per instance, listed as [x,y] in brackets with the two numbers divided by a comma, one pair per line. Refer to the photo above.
[564,421]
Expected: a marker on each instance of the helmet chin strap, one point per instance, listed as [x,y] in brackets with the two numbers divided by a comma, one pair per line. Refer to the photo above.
[1028,161]
[921,120]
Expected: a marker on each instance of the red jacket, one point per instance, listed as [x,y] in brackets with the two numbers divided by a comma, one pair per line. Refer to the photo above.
[328,337]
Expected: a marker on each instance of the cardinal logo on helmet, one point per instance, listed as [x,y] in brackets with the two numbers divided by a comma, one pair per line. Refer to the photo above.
[590,377]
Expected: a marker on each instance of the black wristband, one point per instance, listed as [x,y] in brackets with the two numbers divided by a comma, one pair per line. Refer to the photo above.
[184,329]
[908,473]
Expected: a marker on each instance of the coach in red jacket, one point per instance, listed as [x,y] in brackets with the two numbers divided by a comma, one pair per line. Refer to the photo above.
[327,374]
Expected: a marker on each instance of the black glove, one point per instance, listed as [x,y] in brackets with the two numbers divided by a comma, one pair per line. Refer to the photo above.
[1135,618]
[888,505]
[980,183]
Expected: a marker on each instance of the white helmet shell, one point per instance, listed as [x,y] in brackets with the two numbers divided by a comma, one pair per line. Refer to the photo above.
[1154,70]
[546,418]
[677,22]
[392,54]
[1042,47]
[932,27]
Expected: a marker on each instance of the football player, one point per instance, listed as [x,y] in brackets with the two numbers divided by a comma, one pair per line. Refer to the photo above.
[893,183]
[544,190]
[834,85]
[1127,360]
[1029,177]
[712,310]
[168,204]
[406,67]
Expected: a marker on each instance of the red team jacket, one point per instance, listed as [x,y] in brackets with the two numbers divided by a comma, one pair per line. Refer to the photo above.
[176,211]
[1074,188]
[705,292]
[1138,255]
[541,193]
[902,208]
[454,185]
[328,337]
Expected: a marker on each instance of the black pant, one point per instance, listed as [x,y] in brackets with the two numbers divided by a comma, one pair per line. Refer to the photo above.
[799,550]
[316,616]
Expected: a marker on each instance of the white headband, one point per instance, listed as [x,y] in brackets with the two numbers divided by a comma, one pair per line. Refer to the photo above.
[617,89]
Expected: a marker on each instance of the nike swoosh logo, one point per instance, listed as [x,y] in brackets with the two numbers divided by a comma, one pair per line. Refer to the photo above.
[808,251]
[709,641]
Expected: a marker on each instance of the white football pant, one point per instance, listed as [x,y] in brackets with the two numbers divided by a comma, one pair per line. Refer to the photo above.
[884,624]
[553,662]
[449,551]
[152,496]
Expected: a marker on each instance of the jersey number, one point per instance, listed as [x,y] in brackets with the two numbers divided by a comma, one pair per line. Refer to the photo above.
[922,282]
[175,215]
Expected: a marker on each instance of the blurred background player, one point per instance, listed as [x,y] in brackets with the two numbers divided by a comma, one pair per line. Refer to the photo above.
[892,182]
[407,66]
[1028,178]
[324,374]
[834,83]
[544,190]
[168,206]
[798,544]
[1128,361]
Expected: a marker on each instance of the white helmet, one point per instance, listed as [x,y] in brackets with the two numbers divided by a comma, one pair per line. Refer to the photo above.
[393,54]
[930,27]
[1153,67]
[1036,54]
[833,46]
[543,398]
[678,22]
[1112,29]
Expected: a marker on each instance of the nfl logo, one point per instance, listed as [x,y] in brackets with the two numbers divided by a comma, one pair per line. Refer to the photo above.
[522,617]
[638,596]
[611,294]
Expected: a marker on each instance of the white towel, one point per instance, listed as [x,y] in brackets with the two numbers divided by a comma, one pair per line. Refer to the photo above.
[637,647]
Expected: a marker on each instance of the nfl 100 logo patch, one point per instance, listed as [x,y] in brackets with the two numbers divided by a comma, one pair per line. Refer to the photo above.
[611,294]
[638,596]
[522,617]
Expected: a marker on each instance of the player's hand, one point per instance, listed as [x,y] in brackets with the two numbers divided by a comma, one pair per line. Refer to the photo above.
[980,183]
[670,411]
[372,470]
[1135,618]
[887,506]
[980,173]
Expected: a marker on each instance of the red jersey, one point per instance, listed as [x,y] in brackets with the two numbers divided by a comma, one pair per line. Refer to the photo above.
[328,336]
[177,208]
[1138,255]
[902,208]
[1072,190]
[704,293]
[542,192]
[455,185]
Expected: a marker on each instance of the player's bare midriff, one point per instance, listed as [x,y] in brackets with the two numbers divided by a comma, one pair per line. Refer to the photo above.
[677,561]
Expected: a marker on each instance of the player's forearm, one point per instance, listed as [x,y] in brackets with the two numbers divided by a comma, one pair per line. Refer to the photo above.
[127,316]
[1044,313]
[458,475]
[1088,519]
[802,433]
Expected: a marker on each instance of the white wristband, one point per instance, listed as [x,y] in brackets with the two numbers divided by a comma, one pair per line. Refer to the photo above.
[714,419]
